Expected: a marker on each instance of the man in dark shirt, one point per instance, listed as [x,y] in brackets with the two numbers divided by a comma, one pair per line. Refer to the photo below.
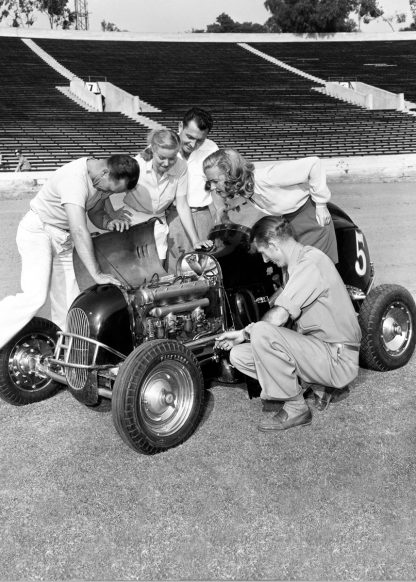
[23,164]
[322,351]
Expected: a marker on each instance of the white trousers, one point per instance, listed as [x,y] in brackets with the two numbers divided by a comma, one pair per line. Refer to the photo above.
[46,266]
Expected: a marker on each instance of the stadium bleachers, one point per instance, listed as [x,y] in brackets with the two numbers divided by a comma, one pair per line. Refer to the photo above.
[50,128]
[263,110]
[390,65]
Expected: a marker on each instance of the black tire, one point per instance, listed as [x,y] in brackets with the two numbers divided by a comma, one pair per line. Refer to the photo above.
[158,395]
[19,383]
[103,405]
[387,318]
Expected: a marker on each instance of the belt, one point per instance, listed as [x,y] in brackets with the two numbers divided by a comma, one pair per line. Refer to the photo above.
[290,215]
[198,208]
[66,230]
[353,347]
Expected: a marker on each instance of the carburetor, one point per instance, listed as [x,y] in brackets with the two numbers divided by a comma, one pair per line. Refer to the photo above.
[174,311]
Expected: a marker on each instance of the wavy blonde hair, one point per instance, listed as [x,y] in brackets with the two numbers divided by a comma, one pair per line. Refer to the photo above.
[160,138]
[238,171]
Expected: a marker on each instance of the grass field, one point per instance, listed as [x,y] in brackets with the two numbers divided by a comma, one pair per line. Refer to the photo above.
[332,501]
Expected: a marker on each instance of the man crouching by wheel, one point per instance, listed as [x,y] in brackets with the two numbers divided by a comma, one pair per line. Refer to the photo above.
[323,347]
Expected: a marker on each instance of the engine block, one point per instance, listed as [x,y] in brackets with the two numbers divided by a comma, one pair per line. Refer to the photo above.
[183,311]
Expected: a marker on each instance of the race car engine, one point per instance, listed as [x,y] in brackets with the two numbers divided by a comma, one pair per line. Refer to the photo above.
[183,311]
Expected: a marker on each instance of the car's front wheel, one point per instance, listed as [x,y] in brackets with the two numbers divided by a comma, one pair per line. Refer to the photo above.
[19,381]
[387,318]
[158,396]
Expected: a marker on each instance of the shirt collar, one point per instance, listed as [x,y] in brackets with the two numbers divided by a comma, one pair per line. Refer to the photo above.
[294,256]
[202,148]
[149,169]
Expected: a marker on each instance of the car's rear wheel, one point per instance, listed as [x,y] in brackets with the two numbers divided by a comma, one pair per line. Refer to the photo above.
[158,396]
[102,405]
[387,318]
[19,382]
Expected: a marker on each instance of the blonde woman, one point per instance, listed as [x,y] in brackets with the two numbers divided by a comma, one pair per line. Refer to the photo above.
[295,189]
[163,179]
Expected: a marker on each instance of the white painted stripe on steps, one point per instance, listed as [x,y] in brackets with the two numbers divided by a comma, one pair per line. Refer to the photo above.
[70,75]
[280,63]
[48,59]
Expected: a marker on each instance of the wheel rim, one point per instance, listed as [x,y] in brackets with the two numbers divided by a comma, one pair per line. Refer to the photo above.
[24,356]
[396,328]
[166,398]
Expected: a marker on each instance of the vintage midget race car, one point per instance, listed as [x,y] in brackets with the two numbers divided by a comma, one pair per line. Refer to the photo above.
[143,349]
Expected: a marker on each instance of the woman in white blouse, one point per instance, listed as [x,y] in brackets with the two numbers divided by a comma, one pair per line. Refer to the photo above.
[295,189]
[163,179]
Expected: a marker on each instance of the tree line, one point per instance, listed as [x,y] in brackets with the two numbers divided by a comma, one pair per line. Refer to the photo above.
[314,16]
[295,16]
[19,13]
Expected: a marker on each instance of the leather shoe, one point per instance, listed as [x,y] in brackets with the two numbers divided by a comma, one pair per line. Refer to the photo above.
[333,395]
[280,421]
[322,401]
[272,405]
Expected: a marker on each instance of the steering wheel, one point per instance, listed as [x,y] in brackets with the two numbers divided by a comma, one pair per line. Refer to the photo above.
[201,264]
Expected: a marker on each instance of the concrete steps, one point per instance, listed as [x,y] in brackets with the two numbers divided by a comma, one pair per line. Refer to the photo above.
[68,93]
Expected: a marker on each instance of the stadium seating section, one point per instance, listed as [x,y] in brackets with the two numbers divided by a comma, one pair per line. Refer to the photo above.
[263,110]
[390,65]
[50,128]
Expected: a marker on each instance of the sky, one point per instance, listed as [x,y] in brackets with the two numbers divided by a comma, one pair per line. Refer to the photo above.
[184,15]
[173,16]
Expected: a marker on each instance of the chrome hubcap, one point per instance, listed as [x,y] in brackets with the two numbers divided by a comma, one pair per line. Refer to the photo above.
[166,398]
[23,359]
[396,328]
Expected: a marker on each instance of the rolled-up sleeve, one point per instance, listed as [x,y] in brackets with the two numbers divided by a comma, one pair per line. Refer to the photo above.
[305,170]
[318,188]
[304,286]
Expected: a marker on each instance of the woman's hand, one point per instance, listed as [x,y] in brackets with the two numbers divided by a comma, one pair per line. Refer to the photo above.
[323,216]
[203,245]
[119,224]
[229,339]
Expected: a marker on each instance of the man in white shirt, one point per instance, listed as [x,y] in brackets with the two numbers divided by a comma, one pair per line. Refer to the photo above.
[195,147]
[55,223]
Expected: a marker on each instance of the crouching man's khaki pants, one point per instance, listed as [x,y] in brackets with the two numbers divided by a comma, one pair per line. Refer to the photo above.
[277,356]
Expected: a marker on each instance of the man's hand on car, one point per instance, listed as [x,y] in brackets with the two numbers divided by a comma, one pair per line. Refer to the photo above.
[118,224]
[229,339]
[104,279]
[122,214]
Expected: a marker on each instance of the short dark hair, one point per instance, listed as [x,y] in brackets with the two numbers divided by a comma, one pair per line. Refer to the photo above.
[17,151]
[270,227]
[124,167]
[202,118]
